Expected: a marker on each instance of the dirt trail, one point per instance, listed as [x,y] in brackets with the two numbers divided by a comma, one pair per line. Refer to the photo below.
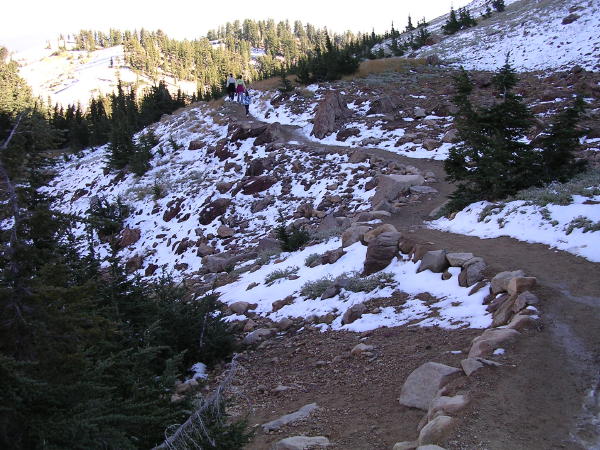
[550,398]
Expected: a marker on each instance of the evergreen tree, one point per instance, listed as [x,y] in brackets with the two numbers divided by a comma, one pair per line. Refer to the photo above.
[452,25]
[498,5]
[409,26]
[465,19]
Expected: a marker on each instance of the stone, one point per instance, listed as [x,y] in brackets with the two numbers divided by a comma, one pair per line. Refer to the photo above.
[358,156]
[216,263]
[239,307]
[331,110]
[353,235]
[249,326]
[517,285]
[224,231]
[419,113]
[472,272]
[332,256]
[359,349]
[301,443]
[262,204]
[268,243]
[258,335]
[447,405]
[150,270]
[570,19]
[224,186]
[254,185]
[422,385]
[500,281]
[436,430]
[503,314]
[405,445]
[213,210]
[346,133]
[245,131]
[330,292]
[431,144]
[490,340]
[450,136]
[205,250]
[370,235]
[277,305]
[458,259]
[389,187]
[129,236]
[429,447]
[470,365]
[523,300]
[521,321]
[270,134]
[383,105]
[434,260]
[284,324]
[328,223]
[302,413]
[423,190]
[381,251]
[353,313]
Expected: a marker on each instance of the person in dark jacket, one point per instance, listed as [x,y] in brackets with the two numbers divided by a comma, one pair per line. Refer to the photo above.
[231,86]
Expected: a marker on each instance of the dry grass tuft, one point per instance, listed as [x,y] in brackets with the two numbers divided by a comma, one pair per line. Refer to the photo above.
[374,66]
[270,83]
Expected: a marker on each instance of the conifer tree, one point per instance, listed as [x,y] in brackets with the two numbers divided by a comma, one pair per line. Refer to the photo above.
[452,25]
[498,5]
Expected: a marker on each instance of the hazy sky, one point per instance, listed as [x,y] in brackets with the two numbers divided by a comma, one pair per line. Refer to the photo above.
[27,22]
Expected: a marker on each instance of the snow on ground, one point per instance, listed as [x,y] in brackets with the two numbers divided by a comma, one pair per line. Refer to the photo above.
[454,308]
[553,225]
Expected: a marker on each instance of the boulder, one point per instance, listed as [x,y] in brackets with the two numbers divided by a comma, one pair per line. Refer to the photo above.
[490,340]
[422,190]
[330,111]
[255,168]
[436,430]
[370,235]
[419,113]
[278,304]
[329,222]
[270,134]
[389,187]
[258,335]
[302,413]
[224,231]
[450,136]
[129,236]
[504,313]
[263,203]
[358,156]
[213,210]
[447,405]
[217,263]
[224,186]
[268,243]
[429,447]
[239,307]
[205,249]
[516,285]
[240,132]
[134,263]
[405,445]
[422,385]
[383,105]
[361,348]
[353,235]
[434,260]
[523,300]
[353,313]
[570,19]
[346,133]
[470,365]
[301,443]
[500,281]
[381,251]
[332,256]
[458,259]
[254,185]
[284,324]
[431,144]
[472,272]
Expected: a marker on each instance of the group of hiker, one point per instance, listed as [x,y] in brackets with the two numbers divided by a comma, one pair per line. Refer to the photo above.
[238,87]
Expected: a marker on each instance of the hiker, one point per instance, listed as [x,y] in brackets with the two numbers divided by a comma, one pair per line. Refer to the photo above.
[240,89]
[230,86]
[246,100]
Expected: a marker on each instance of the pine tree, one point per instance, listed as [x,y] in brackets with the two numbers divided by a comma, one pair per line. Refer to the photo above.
[409,26]
[498,5]
[452,25]
[465,19]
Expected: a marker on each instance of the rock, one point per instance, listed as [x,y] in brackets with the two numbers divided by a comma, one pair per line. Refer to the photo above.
[405,445]
[389,187]
[435,261]
[500,281]
[458,259]
[521,321]
[570,19]
[216,263]
[472,272]
[381,251]
[358,156]
[419,113]
[470,365]
[332,256]
[450,136]
[174,208]
[346,133]
[353,313]
[239,307]
[436,430]
[330,111]
[431,144]
[447,405]
[517,285]
[214,210]
[328,223]
[370,235]
[254,185]
[129,236]
[301,443]
[523,300]
[258,335]
[268,243]
[359,349]
[302,413]
[503,314]
[150,270]
[429,447]
[249,326]
[284,324]
[433,60]
[490,340]
[270,134]
[446,275]
[330,292]
[305,210]
[422,190]
[422,385]
[224,231]
[353,235]
[278,304]
[205,250]
[383,105]
[134,263]
[224,186]
[245,131]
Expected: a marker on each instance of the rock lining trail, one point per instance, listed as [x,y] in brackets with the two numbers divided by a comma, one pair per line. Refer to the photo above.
[550,398]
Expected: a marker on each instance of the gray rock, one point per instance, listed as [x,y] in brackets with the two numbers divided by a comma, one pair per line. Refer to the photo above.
[470,365]
[436,430]
[516,285]
[302,413]
[328,222]
[329,112]
[458,259]
[429,447]
[381,251]
[447,405]
[353,313]
[434,260]
[301,443]
[330,292]
[431,144]
[490,340]
[472,272]
[423,190]
[500,281]
[521,321]
[284,324]
[389,187]
[258,335]
[353,235]
[405,445]
[523,300]
[359,349]
[450,136]
[224,231]
[216,263]
[371,235]
[419,113]
[422,385]
[239,307]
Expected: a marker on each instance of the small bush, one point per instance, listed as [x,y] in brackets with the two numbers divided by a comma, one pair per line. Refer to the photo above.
[584,223]
[265,256]
[311,259]
[314,289]
[292,239]
[356,283]
[325,235]
[105,217]
[489,210]
[280,273]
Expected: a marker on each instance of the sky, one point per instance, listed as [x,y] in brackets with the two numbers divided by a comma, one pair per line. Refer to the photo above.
[28,23]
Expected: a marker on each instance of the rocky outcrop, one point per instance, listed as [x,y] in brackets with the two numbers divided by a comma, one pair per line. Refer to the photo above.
[353,313]
[213,210]
[302,413]
[381,251]
[389,187]
[254,185]
[129,236]
[330,112]
[422,385]
[301,443]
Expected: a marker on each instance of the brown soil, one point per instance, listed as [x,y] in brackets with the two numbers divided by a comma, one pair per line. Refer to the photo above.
[543,397]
